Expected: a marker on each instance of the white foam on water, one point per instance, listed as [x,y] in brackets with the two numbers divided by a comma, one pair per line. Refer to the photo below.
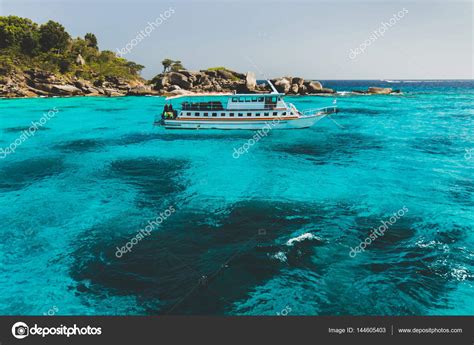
[280,256]
[303,237]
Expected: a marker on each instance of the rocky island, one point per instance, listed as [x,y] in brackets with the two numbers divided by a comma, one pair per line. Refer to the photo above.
[44,60]
[220,79]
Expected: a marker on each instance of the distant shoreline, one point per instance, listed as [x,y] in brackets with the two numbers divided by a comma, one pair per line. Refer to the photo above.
[169,84]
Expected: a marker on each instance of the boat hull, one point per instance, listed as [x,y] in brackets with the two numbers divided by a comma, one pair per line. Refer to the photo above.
[301,122]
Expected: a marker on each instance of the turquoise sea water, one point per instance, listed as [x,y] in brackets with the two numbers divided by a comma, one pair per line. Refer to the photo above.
[265,234]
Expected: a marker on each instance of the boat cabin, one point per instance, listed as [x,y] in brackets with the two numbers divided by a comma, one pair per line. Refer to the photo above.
[248,106]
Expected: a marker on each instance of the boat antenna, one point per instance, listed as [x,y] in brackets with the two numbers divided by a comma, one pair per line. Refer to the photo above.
[262,74]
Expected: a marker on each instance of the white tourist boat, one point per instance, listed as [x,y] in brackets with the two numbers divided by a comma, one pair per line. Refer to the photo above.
[239,111]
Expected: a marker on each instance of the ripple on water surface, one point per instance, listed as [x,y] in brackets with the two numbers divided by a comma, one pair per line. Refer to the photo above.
[154,178]
[80,145]
[18,175]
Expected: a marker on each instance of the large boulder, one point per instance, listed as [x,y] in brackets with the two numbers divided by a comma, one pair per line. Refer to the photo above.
[82,84]
[206,81]
[37,92]
[225,74]
[67,90]
[313,86]
[42,87]
[238,75]
[114,82]
[379,90]
[173,87]
[303,90]
[80,60]
[185,72]
[92,91]
[282,85]
[298,81]
[41,76]
[161,83]
[294,89]
[326,90]
[250,81]
[179,79]
[201,78]
[212,74]
[112,92]
[141,91]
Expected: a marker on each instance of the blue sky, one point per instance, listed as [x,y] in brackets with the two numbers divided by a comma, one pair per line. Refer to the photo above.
[312,39]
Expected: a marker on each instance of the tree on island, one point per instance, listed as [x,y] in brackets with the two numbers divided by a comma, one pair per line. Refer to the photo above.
[91,40]
[19,33]
[176,66]
[53,36]
[134,67]
[171,65]
[166,64]
[30,43]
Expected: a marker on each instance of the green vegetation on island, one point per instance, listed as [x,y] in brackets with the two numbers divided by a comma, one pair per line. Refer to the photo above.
[172,65]
[44,60]
[49,47]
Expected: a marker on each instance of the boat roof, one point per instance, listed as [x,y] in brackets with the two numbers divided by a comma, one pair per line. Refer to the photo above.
[213,94]
[201,94]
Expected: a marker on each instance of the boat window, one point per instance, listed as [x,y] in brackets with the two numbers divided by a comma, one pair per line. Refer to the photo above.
[206,114]
[214,114]
[188,114]
[240,114]
[254,99]
[257,114]
[260,99]
[222,114]
[284,113]
[274,99]
[241,99]
[196,114]
[231,114]
[265,114]
[249,114]
[275,113]
[248,99]
[235,99]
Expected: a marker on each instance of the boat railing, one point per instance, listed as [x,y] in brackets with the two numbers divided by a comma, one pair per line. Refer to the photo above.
[320,111]
[202,106]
